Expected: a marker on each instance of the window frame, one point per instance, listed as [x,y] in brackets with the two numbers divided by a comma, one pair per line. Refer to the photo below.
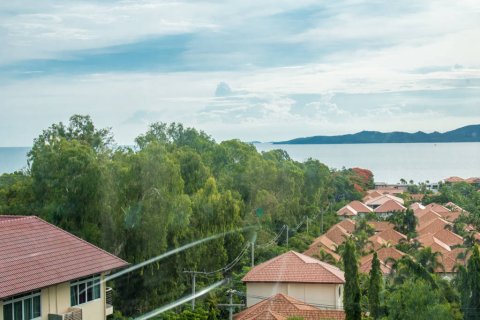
[22,298]
[96,284]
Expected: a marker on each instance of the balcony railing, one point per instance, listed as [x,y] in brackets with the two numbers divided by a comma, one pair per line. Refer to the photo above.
[108,301]
[71,314]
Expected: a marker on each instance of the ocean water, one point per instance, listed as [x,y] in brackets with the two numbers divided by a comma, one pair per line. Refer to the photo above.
[13,159]
[389,162]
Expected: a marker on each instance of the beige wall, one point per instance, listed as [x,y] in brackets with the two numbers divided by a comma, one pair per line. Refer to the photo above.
[323,295]
[56,299]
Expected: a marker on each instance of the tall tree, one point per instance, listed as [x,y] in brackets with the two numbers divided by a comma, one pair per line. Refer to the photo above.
[374,288]
[473,272]
[351,297]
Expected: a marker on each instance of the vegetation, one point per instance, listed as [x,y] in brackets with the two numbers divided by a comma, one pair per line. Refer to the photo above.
[374,288]
[176,185]
[351,297]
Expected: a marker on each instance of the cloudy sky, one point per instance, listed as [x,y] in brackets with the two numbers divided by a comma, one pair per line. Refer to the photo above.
[255,70]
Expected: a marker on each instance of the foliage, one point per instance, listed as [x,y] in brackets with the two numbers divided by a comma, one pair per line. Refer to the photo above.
[374,288]
[351,297]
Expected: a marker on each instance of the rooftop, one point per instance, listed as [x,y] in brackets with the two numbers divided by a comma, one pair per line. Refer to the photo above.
[282,307]
[295,267]
[35,254]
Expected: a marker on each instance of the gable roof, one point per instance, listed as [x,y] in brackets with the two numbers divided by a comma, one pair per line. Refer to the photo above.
[437,208]
[380,226]
[353,208]
[280,307]
[348,225]
[416,206]
[383,254]
[295,267]
[382,199]
[390,206]
[35,254]
[429,240]
[337,234]
[427,216]
[433,226]
[449,238]
[314,251]
[387,236]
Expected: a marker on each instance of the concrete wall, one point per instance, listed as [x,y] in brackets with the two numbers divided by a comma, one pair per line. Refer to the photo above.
[56,300]
[323,295]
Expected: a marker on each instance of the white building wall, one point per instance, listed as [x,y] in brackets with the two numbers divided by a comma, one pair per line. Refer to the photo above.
[322,295]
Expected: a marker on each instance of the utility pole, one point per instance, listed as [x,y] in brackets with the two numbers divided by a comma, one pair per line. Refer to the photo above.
[307,223]
[194,278]
[287,236]
[321,222]
[231,306]
[253,254]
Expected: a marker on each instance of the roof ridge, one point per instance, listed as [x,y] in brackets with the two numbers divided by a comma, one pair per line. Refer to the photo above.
[14,218]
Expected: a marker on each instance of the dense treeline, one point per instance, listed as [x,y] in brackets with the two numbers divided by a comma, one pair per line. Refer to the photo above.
[174,186]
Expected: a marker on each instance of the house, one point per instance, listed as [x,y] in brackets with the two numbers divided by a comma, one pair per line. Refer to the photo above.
[380,226]
[47,273]
[299,276]
[433,226]
[384,238]
[388,208]
[384,254]
[282,307]
[353,209]
[378,201]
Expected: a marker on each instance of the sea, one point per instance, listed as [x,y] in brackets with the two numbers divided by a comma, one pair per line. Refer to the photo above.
[389,162]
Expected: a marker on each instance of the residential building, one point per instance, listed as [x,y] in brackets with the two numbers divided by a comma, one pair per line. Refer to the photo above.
[283,307]
[47,273]
[299,276]
[353,209]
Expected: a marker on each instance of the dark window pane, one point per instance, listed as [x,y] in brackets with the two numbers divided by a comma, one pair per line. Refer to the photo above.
[7,312]
[27,309]
[18,310]
[90,291]
[73,296]
[82,295]
[96,289]
[37,312]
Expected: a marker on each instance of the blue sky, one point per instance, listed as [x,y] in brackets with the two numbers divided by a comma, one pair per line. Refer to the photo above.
[253,70]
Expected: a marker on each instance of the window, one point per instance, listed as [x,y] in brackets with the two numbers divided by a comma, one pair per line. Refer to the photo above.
[22,307]
[84,290]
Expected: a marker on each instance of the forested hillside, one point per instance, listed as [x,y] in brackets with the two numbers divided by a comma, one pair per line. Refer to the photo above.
[176,185]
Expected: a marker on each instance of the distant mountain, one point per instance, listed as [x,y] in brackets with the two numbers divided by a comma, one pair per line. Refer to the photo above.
[464,134]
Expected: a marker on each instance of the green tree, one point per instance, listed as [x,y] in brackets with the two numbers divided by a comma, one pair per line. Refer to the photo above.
[375,288]
[351,297]
[417,300]
[473,294]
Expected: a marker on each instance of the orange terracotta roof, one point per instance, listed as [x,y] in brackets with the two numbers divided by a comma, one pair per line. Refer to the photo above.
[384,254]
[380,226]
[366,266]
[314,252]
[324,241]
[388,236]
[390,206]
[453,179]
[428,240]
[452,216]
[346,211]
[35,254]
[416,207]
[295,267]
[280,307]
[437,208]
[452,206]
[472,180]
[433,226]
[449,238]
[382,199]
[337,234]
[348,225]
[354,208]
[426,217]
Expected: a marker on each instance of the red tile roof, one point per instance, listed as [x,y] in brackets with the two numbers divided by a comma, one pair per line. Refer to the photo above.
[437,208]
[348,225]
[282,307]
[295,267]
[433,226]
[454,179]
[314,251]
[390,206]
[426,217]
[428,240]
[388,236]
[380,226]
[382,199]
[337,234]
[449,238]
[383,255]
[35,254]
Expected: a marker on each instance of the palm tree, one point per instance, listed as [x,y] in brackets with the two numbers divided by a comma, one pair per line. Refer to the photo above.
[430,260]
[325,257]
